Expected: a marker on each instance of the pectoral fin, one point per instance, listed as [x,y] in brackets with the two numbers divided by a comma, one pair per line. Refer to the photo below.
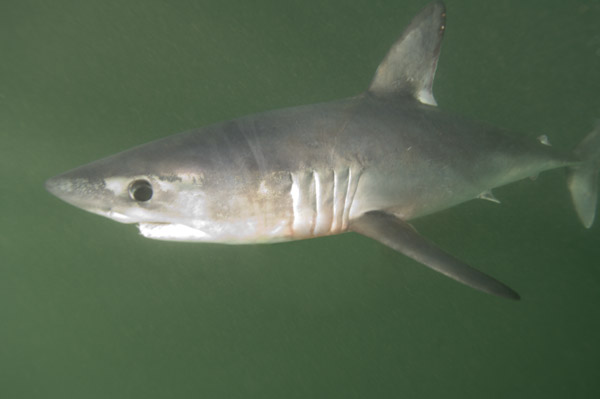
[402,237]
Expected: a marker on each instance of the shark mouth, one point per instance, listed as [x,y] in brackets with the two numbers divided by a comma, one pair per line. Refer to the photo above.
[172,232]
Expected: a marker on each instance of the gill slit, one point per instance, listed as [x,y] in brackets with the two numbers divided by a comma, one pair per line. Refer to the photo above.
[321,201]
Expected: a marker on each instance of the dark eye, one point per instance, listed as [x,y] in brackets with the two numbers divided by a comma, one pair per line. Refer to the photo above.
[140,190]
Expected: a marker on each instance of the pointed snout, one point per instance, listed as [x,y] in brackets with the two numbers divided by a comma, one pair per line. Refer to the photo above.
[76,190]
[59,187]
[54,186]
[92,193]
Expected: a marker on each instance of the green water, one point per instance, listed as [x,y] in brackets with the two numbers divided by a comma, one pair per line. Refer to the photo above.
[90,309]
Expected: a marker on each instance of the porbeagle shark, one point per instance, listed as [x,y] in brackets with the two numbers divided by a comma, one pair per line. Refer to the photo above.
[367,164]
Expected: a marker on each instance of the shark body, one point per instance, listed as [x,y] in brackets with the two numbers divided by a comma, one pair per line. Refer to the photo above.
[368,164]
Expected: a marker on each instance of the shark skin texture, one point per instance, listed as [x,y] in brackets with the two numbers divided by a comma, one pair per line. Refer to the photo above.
[367,164]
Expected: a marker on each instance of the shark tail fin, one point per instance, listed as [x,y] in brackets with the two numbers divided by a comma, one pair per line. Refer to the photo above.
[582,179]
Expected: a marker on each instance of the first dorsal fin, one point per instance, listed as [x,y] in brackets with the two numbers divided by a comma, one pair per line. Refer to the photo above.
[409,67]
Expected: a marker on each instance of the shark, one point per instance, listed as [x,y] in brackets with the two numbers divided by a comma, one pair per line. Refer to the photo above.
[368,164]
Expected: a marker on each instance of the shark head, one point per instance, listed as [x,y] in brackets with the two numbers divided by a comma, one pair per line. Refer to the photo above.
[186,187]
[142,185]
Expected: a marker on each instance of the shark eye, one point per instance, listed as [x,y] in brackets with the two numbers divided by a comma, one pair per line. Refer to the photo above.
[140,190]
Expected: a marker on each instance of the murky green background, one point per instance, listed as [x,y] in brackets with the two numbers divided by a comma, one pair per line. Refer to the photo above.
[90,309]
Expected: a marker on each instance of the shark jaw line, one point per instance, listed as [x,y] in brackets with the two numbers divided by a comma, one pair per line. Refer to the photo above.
[172,232]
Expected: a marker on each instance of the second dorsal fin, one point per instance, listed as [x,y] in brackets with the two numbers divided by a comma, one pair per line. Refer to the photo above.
[409,67]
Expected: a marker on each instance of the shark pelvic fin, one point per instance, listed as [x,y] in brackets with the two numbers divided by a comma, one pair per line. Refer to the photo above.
[582,179]
[409,67]
[401,236]
[488,195]
[544,140]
